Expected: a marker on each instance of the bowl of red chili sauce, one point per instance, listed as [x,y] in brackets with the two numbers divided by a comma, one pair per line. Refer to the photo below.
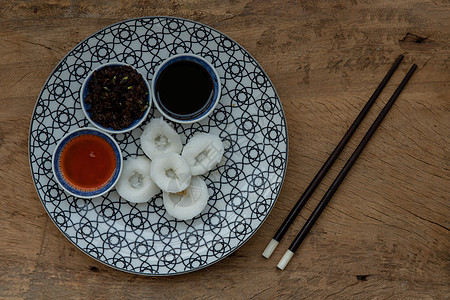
[115,97]
[87,162]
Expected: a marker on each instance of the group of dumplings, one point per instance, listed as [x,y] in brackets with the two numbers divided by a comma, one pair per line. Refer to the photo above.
[171,168]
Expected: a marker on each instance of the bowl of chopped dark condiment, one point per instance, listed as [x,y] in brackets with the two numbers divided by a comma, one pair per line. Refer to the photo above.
[115,97]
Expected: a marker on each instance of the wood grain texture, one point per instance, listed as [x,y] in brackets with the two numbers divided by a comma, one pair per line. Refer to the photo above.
[385,233]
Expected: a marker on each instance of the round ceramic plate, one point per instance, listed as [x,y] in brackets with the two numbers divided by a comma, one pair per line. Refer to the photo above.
[143,238]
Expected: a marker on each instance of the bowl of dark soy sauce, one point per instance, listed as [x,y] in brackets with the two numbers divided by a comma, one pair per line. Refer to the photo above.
[185,88]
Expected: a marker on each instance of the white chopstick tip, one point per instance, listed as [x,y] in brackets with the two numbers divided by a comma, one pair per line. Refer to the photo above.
[285,259]
[270,248]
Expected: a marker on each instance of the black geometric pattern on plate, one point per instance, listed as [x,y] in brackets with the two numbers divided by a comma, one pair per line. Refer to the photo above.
[143,238]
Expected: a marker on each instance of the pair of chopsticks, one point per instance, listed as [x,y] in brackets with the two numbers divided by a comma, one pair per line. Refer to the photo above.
[327,165]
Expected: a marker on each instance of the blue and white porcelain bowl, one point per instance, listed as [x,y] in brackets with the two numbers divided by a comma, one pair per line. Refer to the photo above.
[64,156]
[85,91]
[210,104]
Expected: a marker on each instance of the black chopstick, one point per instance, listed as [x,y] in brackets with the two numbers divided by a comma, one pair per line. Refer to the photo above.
[335,185]
[327,165]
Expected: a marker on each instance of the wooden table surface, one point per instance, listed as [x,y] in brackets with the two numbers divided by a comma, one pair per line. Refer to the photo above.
[385,233]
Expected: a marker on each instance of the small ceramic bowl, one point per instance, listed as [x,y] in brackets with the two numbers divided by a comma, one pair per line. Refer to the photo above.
[177,81]
[85,91]
[87,162]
